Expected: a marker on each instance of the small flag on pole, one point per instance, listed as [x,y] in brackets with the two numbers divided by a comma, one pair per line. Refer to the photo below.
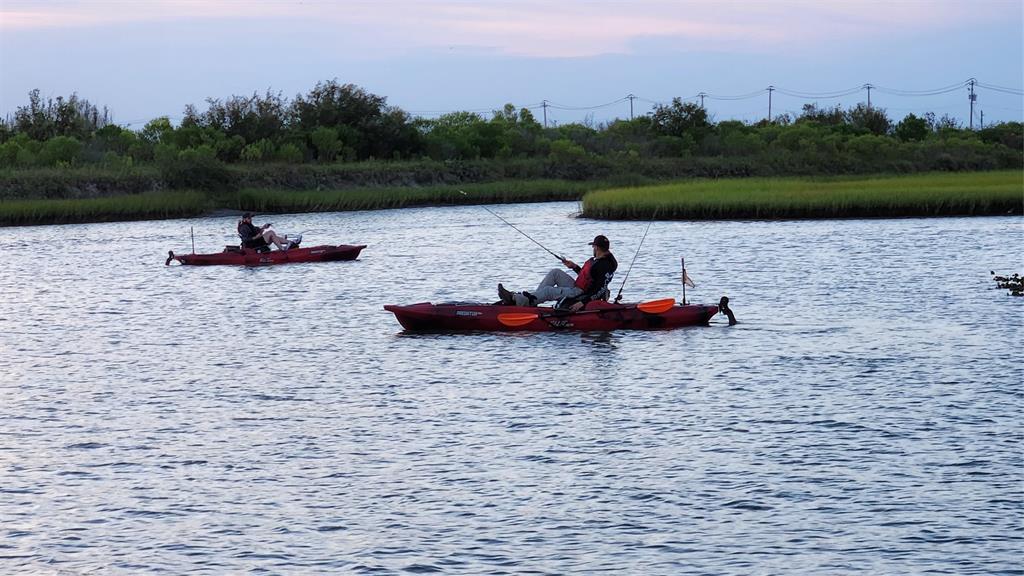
[686,277]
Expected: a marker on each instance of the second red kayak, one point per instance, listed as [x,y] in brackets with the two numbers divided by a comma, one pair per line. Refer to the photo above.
[233,255]
[597,316]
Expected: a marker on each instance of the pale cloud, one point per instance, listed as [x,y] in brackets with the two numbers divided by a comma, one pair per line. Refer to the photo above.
[84,13]
[535,28]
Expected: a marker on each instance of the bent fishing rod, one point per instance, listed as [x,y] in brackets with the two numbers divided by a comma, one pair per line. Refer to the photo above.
[495,214]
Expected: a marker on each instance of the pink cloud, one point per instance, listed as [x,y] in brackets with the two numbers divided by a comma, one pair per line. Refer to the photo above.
[569,28]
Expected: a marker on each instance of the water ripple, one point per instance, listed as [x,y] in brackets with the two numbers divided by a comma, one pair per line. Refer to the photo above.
[863,418]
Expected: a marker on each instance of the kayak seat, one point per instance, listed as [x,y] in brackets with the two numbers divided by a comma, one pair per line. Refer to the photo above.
[259,244]
[568,301]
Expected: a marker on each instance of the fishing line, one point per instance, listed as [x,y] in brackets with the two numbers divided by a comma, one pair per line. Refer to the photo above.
[648,229]
[495,214]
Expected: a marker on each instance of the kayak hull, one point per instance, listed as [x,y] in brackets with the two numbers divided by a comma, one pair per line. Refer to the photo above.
[597,316]
[232,256]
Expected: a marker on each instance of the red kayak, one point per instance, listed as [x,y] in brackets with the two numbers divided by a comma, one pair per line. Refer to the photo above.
[597,316]
[249,257]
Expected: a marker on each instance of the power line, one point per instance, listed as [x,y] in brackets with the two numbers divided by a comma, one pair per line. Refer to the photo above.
[1002,89]
[739,97]
[822,95]
[997,87]
[971,84]
[931,92]
[605,105]
[667,101]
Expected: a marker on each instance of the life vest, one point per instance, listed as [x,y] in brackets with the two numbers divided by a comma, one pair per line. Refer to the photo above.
[583,280]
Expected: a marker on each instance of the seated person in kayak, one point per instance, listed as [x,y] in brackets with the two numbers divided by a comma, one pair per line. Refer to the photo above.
[258,237]
[591,280]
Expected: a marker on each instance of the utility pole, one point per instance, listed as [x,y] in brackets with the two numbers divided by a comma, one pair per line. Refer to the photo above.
[982,119]
[868,87]
[631,98]
[770,90]
[972,97]
[544,105]
[702,95]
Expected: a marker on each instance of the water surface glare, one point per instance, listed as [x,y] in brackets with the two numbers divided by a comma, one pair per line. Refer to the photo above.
[864,417]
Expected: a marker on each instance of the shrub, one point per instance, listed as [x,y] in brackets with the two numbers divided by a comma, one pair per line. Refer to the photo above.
[230,149]
[60,149]
[24,158]
[197,168]
[9,154]
[326,143]
[115,160]
[289,153]
[912,129]
[564,150]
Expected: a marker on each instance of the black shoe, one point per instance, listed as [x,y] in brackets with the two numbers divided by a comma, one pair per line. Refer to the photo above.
[531,298]
[506,297]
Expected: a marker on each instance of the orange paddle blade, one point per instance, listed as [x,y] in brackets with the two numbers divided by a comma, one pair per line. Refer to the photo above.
[657,306]
[516,318]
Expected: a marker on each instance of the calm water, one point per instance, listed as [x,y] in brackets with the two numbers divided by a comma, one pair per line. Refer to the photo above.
[865,416]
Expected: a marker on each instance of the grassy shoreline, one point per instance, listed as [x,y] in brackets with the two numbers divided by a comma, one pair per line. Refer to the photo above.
[149,206]
[267,200]
[931,194]
[192,203]
[919,195]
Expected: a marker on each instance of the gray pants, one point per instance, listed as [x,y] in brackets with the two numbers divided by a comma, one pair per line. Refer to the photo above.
[556,285]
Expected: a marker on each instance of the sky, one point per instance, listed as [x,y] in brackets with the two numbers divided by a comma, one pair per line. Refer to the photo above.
[145,59]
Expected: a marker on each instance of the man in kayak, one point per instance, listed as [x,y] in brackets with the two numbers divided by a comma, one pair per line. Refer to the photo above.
[591,280]
[258,237]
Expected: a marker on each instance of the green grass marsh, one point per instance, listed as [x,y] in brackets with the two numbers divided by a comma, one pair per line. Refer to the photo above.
[379,198]
[931,194]
[182,204]
[149,206]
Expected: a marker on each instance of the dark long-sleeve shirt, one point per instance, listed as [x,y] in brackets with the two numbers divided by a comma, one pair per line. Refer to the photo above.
[248,231]
[601,272]
[250,234]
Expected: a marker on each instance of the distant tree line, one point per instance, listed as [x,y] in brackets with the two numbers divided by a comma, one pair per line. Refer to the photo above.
[342,123]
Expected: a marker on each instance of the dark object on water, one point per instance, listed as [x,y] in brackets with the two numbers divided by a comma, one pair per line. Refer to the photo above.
[234,255]
[1015,283]
[723,307]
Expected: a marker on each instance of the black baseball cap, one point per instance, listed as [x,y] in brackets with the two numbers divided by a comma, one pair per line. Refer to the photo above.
[601,242]
[246,215]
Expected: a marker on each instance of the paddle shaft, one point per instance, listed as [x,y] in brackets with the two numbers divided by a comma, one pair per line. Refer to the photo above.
[495,214]
[602,310]
[582,312]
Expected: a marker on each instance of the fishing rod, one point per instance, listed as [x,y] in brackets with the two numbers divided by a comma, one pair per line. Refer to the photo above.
[648,229]
[495,214]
